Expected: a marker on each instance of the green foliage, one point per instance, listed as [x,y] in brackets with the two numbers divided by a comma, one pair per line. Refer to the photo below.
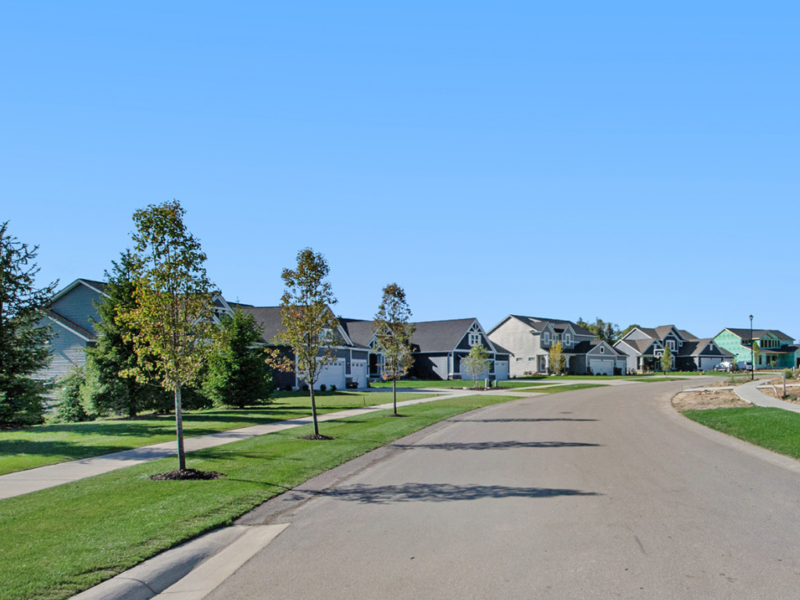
[237,375]
[171,324]
[23,339]
[309,325]
[114,352]
[666,360]
[756,354]
[602,330]
[393,334]
[477,363]
[557,359]
[70,408]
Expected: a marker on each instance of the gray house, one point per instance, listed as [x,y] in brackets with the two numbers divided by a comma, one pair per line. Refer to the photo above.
[529,340]
[352,358]
[71,316]
[644,347]
[439,347]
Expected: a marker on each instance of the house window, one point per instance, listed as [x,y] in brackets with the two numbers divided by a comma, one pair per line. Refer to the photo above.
[546,337]
[518,359]
[567,339]
[602,350]
[671,344]
[711,347]
[531,358]
[474,339]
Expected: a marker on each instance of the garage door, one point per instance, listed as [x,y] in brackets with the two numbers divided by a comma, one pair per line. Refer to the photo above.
[501,370]
[333,374]
[358,372]
[601,367]
[706,364]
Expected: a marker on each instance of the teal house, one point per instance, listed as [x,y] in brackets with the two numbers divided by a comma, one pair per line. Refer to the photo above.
[778,350]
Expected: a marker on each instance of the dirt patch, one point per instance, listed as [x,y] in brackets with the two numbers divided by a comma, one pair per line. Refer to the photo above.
[793,394]
[705,400]
[187,475]
[315,437]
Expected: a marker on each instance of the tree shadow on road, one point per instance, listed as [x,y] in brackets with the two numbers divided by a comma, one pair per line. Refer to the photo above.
[439,492]
[493,445]
[520,420]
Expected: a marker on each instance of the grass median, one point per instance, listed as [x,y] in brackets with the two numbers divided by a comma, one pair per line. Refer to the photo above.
[448,384]
[772,428]
[62,540]
[50,444]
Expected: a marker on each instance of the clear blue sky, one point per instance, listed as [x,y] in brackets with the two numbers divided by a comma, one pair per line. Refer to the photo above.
[635,162]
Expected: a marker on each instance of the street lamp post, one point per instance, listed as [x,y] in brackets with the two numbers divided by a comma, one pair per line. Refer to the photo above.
[752,354]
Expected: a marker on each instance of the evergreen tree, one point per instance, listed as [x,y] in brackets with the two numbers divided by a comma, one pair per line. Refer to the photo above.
[237,375]
[114,352]
[23,339]
[70,408]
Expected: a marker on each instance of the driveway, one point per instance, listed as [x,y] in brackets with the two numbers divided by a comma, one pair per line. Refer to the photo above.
[600,493]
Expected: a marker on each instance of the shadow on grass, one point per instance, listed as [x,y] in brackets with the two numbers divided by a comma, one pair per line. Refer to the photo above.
[493,445]
[439,492]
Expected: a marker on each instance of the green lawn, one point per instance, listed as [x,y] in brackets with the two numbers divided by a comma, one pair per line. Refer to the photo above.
[447,384]
[772,428]
[62,540]
[49,444]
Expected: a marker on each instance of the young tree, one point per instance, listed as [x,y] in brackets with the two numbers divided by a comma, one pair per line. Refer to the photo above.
[309,325]
[114,352]
[557,359]
[476,363]
[393,333]
[69,408]
[666,360]
[236,372]
[23,339]
[756,354]
[171,325]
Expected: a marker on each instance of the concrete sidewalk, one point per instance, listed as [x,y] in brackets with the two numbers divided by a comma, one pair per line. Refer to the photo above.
[40,478]
[749,393]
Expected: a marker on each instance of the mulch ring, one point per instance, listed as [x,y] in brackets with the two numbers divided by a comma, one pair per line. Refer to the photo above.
[398,415]
[187,475]
[315,437]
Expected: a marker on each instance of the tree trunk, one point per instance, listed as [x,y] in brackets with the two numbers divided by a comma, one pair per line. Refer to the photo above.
[394,395]
[314,409]
[179,428]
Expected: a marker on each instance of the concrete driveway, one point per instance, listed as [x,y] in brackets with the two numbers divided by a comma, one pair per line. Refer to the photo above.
[600,493]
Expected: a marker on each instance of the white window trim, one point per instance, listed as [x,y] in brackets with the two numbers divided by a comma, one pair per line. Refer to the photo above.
[602,350]
[474,339]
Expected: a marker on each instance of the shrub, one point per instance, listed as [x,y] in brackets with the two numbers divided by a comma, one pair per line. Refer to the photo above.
[333,388]
[304,387]
[69,408]
[323,387]
[287,388]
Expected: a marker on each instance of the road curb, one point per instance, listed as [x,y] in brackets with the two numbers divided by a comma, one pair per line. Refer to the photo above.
[160,572]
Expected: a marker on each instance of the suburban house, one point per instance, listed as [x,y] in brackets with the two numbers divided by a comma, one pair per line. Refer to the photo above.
[71,316]
[644,347]
[439,346]
[529,340]
[776,348]
[352,358]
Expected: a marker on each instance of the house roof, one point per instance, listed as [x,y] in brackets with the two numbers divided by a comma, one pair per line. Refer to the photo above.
[639,345]
[744,333]
[267,317]
[587,346]
[98,286]
[687,335]
[500,350]
[559,325]
[66,323]
[439,336]
[358,330]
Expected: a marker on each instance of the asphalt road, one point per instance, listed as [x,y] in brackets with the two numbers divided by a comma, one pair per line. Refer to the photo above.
[600,493]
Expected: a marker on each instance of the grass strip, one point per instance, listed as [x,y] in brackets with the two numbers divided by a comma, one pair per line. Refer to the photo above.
[772,428]
[62,540]
[50,444]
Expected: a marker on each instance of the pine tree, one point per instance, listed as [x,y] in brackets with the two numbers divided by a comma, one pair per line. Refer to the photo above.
[237,375]
[114,353]
[23,339]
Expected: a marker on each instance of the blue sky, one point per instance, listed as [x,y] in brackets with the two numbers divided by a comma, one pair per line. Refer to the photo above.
[632,161]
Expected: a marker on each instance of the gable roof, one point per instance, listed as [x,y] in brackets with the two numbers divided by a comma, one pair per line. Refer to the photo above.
[269,318]
[74,327]
[640,346]
[97,286]
[539,323]
[440,336]
[358,330]
[744,333]
[686,335]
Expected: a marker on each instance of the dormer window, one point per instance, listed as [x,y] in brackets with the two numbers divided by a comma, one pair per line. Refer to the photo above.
[567,339]
[474,339]
[546,337]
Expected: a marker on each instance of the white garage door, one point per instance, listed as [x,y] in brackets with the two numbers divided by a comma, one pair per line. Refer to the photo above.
[501,370]
[358,372]
[708,363]
[333,375]
[601,366]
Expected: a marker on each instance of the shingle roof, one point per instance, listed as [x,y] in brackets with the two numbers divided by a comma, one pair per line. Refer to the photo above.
[539,323]
[500,349]
[639,345]
[70,325]
[267,317]
[687,335]
[358,330]
[439,336]
[744,333]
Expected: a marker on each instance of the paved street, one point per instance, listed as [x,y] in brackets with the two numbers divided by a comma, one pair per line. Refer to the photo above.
[600,493]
